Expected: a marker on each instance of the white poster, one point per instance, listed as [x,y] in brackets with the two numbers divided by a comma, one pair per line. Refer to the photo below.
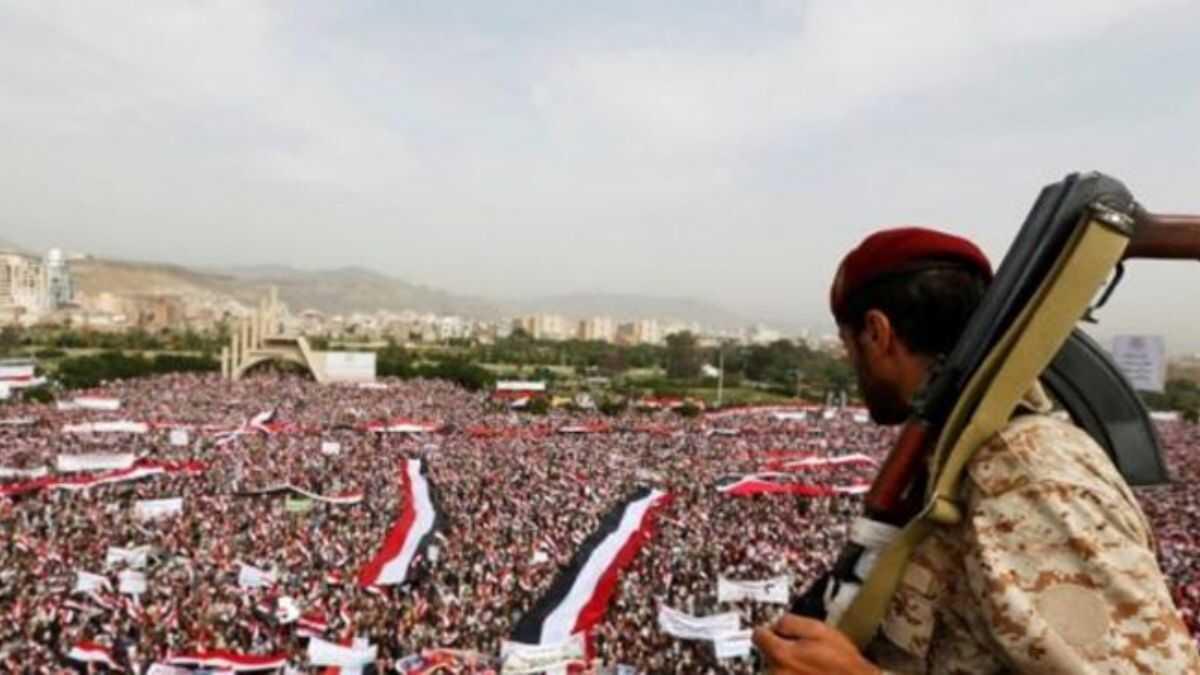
[96,403]
[688,627]
[10,472]
[350,366]
[733,645]
[771,591]
[252,577]
[322,653]
[287,611]
[517,658]
[150,509]
[135,558]
[331,448]
[86,582]
[1143,360]
[131,582]
[94,462]
[179,438]
[120,426]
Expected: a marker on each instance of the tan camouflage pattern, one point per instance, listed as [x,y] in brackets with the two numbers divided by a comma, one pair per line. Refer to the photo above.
[1051,571]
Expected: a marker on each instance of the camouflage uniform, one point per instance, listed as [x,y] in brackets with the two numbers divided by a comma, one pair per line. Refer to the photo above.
[1051,571]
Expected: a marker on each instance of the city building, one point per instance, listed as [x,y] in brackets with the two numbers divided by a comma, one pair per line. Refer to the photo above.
[646,332]
[31,288]
[545,326]
[598,329]
[159,312]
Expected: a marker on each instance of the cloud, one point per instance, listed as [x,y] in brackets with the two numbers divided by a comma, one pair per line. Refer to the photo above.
[731,151]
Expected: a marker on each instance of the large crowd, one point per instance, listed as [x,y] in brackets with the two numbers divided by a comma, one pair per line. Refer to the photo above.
[517,499]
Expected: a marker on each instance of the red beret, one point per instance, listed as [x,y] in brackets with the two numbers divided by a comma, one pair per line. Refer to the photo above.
[899,250]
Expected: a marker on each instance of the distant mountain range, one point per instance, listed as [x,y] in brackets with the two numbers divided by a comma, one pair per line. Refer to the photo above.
[630,307]
[352,289]
[357,289]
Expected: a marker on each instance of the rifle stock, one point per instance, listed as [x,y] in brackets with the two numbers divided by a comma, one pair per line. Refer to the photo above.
[894,497]
[1162,236]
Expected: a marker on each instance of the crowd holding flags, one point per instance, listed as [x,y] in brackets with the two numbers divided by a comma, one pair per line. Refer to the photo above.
[487,542]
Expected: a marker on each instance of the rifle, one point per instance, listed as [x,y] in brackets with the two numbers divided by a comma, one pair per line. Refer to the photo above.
[1079,231]
[890,499]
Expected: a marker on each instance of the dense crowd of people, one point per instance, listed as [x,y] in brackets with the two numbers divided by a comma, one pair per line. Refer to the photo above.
[517,496]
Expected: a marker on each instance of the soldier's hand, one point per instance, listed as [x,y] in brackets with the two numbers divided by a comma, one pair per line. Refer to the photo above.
[795,645]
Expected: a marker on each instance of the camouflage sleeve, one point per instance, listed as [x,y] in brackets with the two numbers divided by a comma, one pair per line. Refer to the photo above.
[1066,582]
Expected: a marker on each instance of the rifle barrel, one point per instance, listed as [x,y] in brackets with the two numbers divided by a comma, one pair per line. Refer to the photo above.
[1165,236]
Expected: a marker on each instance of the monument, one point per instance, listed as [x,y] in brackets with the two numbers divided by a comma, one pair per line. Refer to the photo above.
[260,338]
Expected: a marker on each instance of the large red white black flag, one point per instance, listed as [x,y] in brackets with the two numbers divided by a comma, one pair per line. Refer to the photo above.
[411,533]
[579,596]
[782,483]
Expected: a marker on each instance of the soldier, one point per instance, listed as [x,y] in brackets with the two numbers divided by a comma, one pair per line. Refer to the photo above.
[1052,569]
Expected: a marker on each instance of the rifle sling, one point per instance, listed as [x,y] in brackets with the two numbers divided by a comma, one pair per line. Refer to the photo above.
[987,403]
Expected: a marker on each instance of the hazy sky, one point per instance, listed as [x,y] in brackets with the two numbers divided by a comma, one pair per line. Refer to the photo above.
[718,149]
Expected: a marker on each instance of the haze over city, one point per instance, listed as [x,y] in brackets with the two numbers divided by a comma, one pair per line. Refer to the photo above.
[730,152]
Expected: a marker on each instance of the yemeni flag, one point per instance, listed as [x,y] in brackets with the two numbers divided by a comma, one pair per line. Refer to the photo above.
[810,462]
[578,598]
[227,660]
[312,624]
[90,652]
[419,518]
[776,483]
[402,425]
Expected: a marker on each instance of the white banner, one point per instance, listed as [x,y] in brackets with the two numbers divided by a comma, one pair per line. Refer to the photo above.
[350,366]
[160,669]
[518,658]
[514,385]
[96,403]
[86,582]
[771,591]
[322,653]
[94,462]
[688,627]
[286,610]
[1143,360]
[9,472]
[253,577]
[149,509]
[179,438]
[131,582]
[331,448]
[733,645]
[120,426]
[135,558]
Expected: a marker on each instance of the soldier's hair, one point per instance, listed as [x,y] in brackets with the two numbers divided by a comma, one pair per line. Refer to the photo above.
[929,306]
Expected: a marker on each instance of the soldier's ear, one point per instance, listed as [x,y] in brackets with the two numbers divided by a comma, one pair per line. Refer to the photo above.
[878,339]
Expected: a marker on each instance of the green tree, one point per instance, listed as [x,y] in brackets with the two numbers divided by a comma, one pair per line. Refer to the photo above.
[10,339]
[683,358]
[539,405]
